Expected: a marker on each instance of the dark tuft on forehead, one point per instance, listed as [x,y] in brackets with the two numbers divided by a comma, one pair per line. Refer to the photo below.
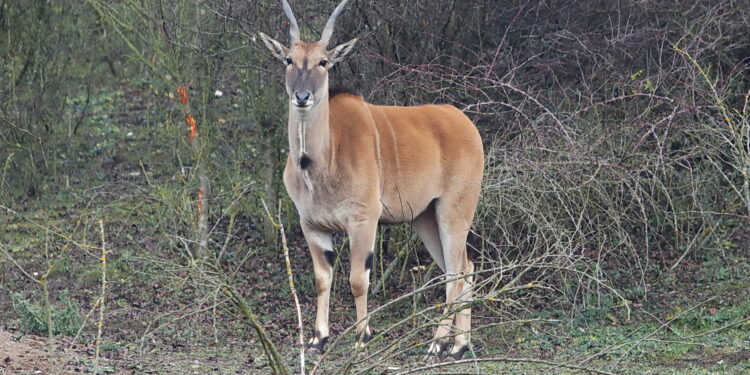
[338,90]
[307,47]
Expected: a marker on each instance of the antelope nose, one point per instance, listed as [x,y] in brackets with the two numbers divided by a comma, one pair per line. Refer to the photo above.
[302,97]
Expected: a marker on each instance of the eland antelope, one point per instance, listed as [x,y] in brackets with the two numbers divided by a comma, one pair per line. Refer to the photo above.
[353,164]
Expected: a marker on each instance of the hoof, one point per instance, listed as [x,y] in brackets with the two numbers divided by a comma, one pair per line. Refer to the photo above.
[457,354]
[363,339]
[438,349]
[316,348]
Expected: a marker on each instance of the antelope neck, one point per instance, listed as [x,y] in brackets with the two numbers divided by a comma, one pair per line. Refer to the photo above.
[309,135]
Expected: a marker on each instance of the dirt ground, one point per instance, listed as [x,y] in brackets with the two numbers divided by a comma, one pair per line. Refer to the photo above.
[23,354]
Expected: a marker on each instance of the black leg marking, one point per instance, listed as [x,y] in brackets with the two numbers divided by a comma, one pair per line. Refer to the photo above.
[317,348]
[368,262]
[330,256]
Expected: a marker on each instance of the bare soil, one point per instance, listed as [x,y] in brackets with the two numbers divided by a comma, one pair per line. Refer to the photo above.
[23,354]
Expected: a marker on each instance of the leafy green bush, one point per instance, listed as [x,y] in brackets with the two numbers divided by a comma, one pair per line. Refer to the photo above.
[66,319]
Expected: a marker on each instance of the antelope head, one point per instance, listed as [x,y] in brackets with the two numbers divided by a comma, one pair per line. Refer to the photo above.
[307,64]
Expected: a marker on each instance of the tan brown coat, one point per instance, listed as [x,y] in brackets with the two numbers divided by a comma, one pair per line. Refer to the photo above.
[353,164]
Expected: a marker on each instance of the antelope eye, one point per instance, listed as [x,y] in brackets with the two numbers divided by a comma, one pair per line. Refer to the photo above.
[289,61]
[323,63]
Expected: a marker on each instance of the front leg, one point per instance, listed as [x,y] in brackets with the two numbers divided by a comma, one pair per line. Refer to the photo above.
[361,243]
[323,256]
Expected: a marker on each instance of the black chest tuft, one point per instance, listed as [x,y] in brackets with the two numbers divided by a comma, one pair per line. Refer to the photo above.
[304,162]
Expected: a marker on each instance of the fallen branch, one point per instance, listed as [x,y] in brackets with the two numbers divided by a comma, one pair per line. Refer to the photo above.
[511,360]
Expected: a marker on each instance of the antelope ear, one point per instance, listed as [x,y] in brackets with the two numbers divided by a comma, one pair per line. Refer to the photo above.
[276,48]
[339,52]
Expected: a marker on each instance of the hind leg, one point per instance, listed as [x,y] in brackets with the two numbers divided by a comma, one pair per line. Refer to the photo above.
[463,317]
[454,213]
[426,227]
